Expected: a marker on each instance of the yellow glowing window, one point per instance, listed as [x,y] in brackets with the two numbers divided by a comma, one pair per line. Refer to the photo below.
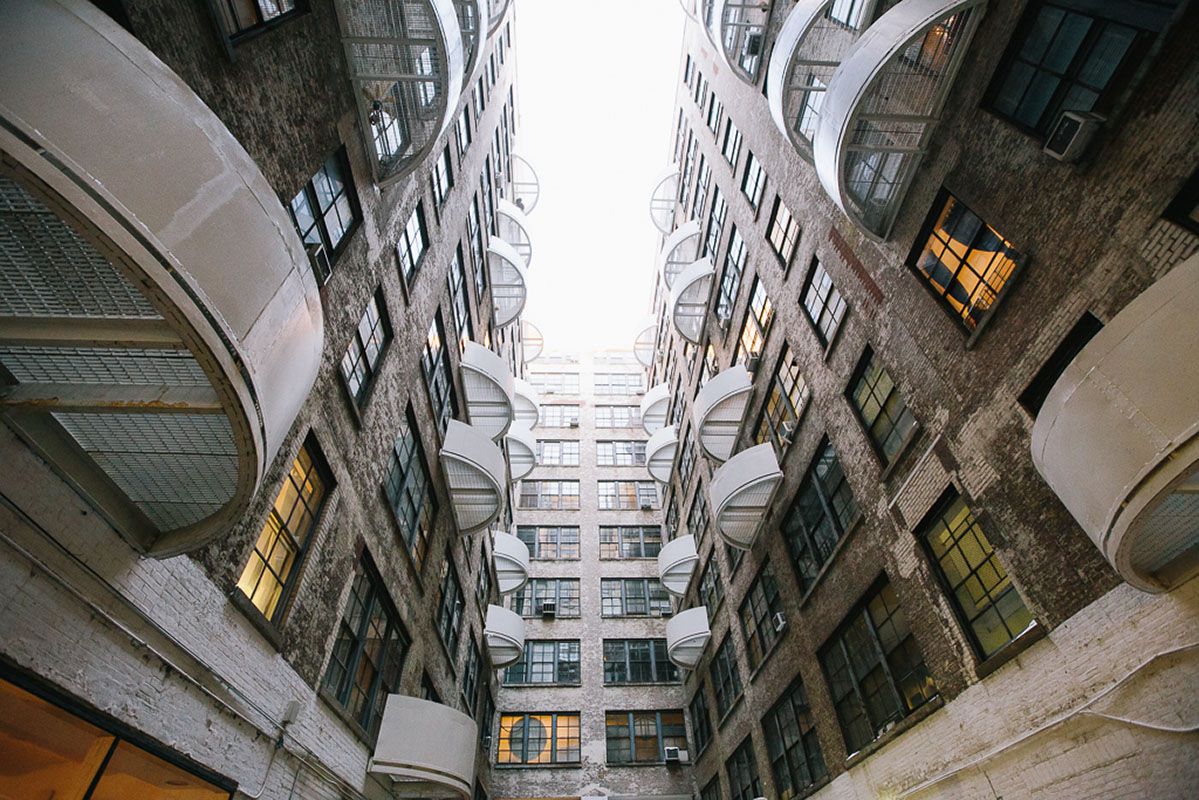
[549,738]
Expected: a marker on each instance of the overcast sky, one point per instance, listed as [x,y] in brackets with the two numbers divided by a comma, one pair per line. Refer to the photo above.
[595,96]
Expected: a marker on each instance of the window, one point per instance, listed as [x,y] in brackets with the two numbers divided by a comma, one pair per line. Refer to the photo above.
[821,512]
[715,110]
[563,592]
[1033,397]
[428,690]
[1071,55]
[639,737]
[822,303]
[242,18]
[326,210]
[701,187]
[782,232]
[688,171]
[637,661]
[881,407]
[450,607]
[784,404]
[753,181]
[369,651]
[792,744]
[550,495]
[551,738]
[409,491]
[619,383]
[756,327]
[810,104]
[715,224]
[479,98]
[672,517]
[875,671]
[459,301]
[850,13]
[267,577]
[441,179]
[701,721]
[742,767]
[633,597]
[627,495]
[757,612]
[360,363]
[474,232]
[462,132]
[558,416]
[731,145]
[711,587]
[470,676]
[726,676]
[964,261]
[435,364]
[486,717]
[1184,208]
[550,542]
[483,586]
[546,662]
[983,594]
[697,517]
[413,242]
[730,280]
[711,790]
[558,453]
[617,416]
[687,458]
[630,541]
[620,453]
[555,382]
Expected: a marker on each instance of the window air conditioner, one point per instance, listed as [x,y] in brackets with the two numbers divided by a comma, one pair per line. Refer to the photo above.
[549,608]
[671,755]
[723,323]
[647,506]
[487,741]
[666,612]
[574,423]
[752,363]
[780,622]
[788,431]
[322,268]
[1071,134]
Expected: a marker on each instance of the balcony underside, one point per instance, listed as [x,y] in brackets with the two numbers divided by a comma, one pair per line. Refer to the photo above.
[475,474]
[654,406]
[741,492]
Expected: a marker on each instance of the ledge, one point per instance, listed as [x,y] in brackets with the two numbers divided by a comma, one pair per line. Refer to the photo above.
[901,727]
[1009,651]
[850,530]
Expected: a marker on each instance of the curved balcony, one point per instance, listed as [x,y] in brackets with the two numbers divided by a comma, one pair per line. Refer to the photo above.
[511,562]
[662,200]
[654,406]
[472,16]
[741,491]
[407,65]
[526,404]
[682,248]
[526,186]
[475,474]
[688,8]
[489,390]
[660,451]
[676,561]
[160,323]
[719,410]
[644,346]
[1117,439]
[427,749]
[738,30]
[509,282]
[883,102]
[498,9]
[513,229]
[687,634]
[522,451]
[532,342]
[689,300]
[505,635]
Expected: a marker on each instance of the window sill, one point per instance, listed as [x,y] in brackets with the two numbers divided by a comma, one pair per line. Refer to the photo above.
[756,671]
[901,454]
[569,765]
[269,630]
[634,685]
[1035,633]
[901,727]
[852,528]
[340,712]
[574,685]
[725,717]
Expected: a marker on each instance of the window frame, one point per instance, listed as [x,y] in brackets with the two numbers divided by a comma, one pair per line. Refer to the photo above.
[414,230]
[341,160]
[416,540]
[788,234]
[865,362]
[539,541]
[833,305]
[631,735]
[362,353]
[662,670]
[553,736]
[563,650]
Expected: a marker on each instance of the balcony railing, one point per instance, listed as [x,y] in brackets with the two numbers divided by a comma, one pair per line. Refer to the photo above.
[738,29]
[687,634]
[475,474]
[662,200]
[689,300]
[511,562]
[741,492]
[426,749]
[645,346]
[654,406]
[660,451]
[489,390]
[526,186]
[505,635]
[719,410]
[509,281]
[682,248]
[532,341]
[676,562]
[472,22]
[513,229]
[526,403]
[522,451]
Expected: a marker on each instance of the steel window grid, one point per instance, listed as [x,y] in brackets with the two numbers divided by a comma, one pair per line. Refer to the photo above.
[819,515]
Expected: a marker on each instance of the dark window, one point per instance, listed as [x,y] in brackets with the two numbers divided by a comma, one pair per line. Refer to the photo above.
[687,456]
[546,662]
[428,690]
[474,233]
[1184,208]
[702,183]
[630,541]
[550,738]
[756,327]
[413,242]
[701,720]
[753,181]
[360,363]
[435,364]
[633,597]
[726,677]
[409,491]
[782,232]
[326,211]
[441,179]
[711,790]
[637,661]
[785,402]
[269,573]
[550,542]
[486,717]
[563,592]
[470,676]
[241,18]
[981,590]
[369,651]
[711,587]
[742,767]
[450,607]
[875,671]
[697,517]
[731,145]
[757,614]
[1083,331]
[639,737]
[459,299]
[819,515]
[550,495]
[715,224]
[730,280]
[792,744]
[823,304]
[881,407]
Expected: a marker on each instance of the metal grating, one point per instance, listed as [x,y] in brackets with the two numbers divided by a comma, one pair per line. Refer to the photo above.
[98,365]
[47,269]
[1168,532]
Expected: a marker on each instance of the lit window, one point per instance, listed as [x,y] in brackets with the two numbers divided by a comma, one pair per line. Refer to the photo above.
[756,327]
[620,453]
[881,407]
[409,492]
[823,304]
[637,661]
[326,211]
[715,224]
[819,516]
[782,232]
[462,132]
[784,404]
[640,737]
[809,110]
[558,453]
[627,495]
[546,662]
[551,738]
[550,495]
[241,18]
[731,146]
[413,242]
[558,416]
[792,744]
[618,417]
[618,383]
[360,363]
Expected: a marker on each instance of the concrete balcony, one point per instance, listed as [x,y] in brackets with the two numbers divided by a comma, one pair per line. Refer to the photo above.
[426,749]
[509,281]
[738,29]
[687,634]
[522,452]
[475,474]
[1117,439]
[526,403]
[526,186]
[719,410]
[662,200]
[160,325]
[532,342]
[883,102]
[498,9]
[513,229]
[489,390]
[681,249]
[676,562]
[511,562]
[505,635]
[407,64]
[741,492]
[654,405]
[689,300]
[660,451]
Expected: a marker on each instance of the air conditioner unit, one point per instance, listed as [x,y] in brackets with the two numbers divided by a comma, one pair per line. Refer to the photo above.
[549,608]
[780,622]
[671,755]
[574,423]
[752,363]
[1071,134]
[724,323]
[322,268]
[647,506]
[666,612]
[788,431]
[486,741]
[753,44]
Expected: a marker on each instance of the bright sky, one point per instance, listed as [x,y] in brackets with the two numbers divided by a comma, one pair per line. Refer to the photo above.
[595,96]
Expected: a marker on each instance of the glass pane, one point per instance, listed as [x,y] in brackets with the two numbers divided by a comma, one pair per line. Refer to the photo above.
[132,772]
